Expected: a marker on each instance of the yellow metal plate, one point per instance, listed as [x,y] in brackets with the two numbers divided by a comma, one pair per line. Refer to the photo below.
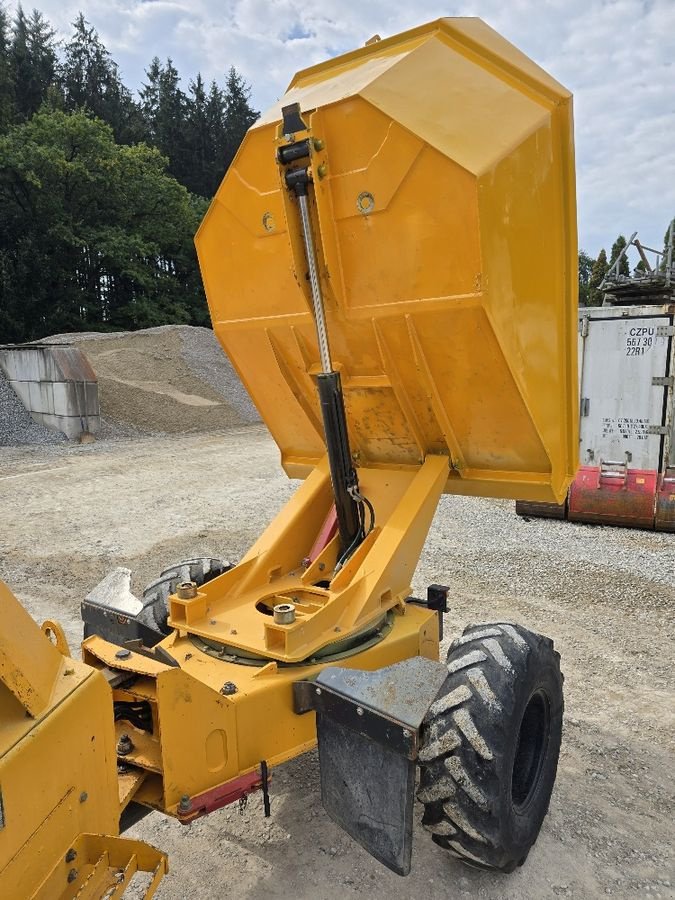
[450,289]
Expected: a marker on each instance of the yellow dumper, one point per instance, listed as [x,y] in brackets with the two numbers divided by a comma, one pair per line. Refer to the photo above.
[390,264]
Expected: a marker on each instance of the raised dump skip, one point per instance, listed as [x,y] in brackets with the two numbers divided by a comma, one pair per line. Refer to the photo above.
[443,212]
[56,384]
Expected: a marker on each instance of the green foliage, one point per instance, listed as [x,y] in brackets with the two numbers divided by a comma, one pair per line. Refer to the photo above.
[89,79]
[585,270]
[93,235]
[32,62]
[6,81]
[617,248]
[598,272]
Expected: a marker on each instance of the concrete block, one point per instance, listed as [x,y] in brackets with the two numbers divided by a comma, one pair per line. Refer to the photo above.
[22,390]
[41,395]
[71,426]
[56,384]
[91,402]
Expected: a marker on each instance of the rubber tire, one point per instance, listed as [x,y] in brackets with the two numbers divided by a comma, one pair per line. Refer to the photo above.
[199,570]
[479,803]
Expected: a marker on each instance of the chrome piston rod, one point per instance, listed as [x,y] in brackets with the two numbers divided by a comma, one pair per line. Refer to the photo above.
[317,297]
[343,475]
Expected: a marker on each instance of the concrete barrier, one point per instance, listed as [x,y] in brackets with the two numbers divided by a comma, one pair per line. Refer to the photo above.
[56,384]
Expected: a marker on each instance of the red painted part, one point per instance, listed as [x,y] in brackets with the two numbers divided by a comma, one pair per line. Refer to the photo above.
[665,501]
[223,795]
[627,500]
[325,536]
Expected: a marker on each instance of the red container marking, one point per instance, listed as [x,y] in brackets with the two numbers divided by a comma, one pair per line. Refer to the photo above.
[622,498]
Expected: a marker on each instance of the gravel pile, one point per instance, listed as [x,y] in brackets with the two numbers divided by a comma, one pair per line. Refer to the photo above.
[205,357]
[165,380]
[16,425]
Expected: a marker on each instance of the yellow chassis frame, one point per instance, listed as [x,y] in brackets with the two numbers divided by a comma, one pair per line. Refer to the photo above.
[215,718]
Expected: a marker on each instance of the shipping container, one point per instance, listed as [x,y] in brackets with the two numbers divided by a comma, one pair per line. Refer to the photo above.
[626,470]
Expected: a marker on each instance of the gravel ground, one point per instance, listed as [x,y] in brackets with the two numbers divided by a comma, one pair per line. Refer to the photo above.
[16,425]
[605,595]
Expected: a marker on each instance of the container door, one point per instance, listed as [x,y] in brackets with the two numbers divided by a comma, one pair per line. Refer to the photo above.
[623,389]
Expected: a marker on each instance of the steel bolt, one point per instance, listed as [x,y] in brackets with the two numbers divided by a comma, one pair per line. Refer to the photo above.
[406,733]
[83,796]
[317,691]
[187,590]
[70,855]
[72,875]
[123,654]
[318,144]
[359,711]
[185,804]
[229,688]
[125,745]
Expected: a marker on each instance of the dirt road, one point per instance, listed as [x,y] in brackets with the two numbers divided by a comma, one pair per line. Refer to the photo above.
[605,595]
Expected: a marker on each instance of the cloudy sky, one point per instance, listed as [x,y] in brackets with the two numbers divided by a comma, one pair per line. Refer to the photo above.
[616,56]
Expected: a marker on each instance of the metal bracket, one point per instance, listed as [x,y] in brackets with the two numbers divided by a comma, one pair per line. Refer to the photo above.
[437,600]
[666,381]
[665,330]
[585,406]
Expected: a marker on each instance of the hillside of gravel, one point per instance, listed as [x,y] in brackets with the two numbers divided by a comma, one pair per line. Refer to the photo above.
[164,380]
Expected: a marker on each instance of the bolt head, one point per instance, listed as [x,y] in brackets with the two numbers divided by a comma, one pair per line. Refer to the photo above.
[72,875]
[70,855]
[83,796]
[229,688]
[317,691]
[123,654]
[359,711]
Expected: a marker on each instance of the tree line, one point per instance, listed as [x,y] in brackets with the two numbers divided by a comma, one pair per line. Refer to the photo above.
[102,190]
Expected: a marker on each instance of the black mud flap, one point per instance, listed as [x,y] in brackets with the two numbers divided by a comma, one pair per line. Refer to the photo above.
[368,726]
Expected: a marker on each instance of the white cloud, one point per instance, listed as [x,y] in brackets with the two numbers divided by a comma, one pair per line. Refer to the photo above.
[616,56]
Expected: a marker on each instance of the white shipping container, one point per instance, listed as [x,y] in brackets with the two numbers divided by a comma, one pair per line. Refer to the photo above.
[626,440]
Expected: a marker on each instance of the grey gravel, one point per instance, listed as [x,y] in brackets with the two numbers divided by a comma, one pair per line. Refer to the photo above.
[205,357]
[202,353]
[16,425]
[201,360]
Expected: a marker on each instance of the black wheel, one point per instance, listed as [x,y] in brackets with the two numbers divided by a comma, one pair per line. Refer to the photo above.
[156,594]
[490,745]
